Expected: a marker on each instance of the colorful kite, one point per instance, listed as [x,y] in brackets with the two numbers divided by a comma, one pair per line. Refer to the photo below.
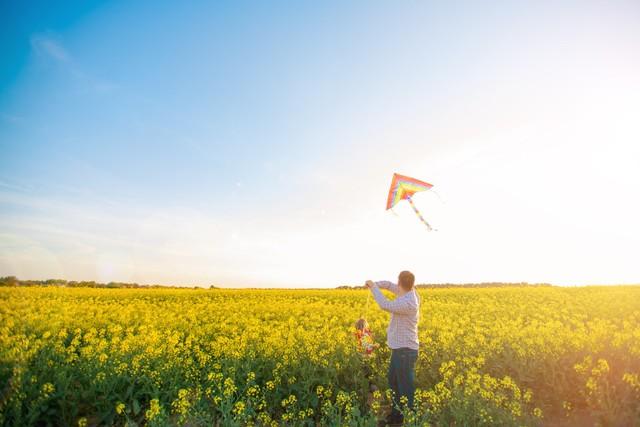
[403,187]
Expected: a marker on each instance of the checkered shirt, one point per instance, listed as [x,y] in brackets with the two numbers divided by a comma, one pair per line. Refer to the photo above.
[405,313]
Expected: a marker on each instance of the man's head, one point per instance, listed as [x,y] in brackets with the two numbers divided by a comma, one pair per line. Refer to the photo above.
[406,280]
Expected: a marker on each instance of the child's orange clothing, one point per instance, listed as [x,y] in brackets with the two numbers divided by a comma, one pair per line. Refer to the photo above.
[366,343]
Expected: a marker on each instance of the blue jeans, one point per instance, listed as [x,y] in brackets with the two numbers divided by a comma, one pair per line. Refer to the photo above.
[401,377]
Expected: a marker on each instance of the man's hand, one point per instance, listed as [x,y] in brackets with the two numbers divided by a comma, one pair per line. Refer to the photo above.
[369,284]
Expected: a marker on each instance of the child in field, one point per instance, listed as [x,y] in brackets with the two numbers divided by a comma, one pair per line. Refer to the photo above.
[366,345]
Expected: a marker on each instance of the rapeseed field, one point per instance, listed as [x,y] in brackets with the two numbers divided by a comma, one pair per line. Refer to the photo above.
[229,357]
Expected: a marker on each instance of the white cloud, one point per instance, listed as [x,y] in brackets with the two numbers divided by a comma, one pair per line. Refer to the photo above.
[48,46]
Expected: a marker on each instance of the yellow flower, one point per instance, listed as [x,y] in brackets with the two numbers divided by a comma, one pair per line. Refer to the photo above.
[229,387]
[47,389]
[120,408]
[238,408]
[154,410]
[181,405]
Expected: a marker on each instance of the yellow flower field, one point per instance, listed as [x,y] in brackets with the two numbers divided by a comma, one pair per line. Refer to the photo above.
[507,356]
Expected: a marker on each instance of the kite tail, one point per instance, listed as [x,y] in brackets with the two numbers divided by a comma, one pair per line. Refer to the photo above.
[419,214]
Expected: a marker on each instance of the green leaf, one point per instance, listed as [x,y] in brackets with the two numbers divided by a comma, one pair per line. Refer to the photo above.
[136,407]
[129,391]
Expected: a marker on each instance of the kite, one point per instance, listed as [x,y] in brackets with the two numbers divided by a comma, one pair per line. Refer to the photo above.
[402,188]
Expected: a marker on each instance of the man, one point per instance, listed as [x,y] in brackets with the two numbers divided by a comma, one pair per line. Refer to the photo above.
[402,337]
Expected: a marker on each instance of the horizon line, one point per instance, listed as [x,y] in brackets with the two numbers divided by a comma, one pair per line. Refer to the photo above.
[65,282]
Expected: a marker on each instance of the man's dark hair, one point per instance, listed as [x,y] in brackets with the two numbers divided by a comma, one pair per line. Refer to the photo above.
[406,280]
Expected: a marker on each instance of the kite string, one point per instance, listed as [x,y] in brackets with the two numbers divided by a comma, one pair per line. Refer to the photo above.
[366,307]
[434,192]
[415,209]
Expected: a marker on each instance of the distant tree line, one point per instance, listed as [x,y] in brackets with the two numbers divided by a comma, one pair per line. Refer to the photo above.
[466,285]
[14,281]
[482,285]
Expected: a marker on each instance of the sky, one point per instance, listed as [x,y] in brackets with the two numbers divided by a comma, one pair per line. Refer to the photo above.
[252,144]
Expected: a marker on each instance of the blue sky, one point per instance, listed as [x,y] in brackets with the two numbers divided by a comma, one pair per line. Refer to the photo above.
[252,144]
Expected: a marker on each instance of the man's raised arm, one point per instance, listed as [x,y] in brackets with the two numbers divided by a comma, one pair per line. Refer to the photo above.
[385,284]
[398,305]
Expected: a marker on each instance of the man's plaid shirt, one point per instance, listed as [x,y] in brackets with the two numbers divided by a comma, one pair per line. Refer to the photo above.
[405,313]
